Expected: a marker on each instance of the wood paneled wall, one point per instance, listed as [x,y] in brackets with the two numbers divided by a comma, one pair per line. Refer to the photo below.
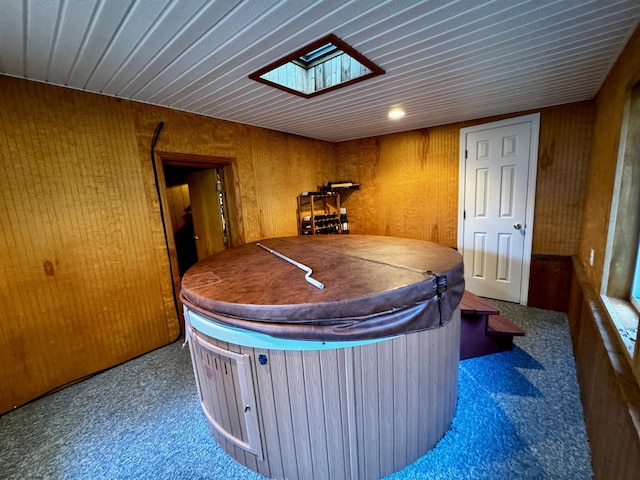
[273,169]
[79,267]
[409,184]
[563,165]
[609,391]
[84,273]
[410,180]
[610,104]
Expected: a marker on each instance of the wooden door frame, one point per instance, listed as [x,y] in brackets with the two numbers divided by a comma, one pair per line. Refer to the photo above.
[534,119]
[234,232]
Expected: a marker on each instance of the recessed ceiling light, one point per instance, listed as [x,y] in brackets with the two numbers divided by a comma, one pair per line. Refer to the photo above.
[396,113]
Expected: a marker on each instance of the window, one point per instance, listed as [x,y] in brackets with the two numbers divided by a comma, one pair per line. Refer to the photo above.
[320,67]
[621,278]
[635,288]
[317,54]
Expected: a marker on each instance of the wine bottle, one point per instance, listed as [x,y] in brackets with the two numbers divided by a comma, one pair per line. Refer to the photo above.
[343,220]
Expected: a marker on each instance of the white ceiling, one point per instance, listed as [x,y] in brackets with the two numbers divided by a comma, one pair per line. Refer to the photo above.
[445,61]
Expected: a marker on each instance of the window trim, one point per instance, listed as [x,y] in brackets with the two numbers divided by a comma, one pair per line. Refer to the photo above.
[617,282]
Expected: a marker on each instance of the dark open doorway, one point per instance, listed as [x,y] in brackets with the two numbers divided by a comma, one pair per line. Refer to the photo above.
[179,209]
[198,197]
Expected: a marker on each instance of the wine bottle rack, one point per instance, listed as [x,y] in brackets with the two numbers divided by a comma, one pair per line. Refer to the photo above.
[319,214]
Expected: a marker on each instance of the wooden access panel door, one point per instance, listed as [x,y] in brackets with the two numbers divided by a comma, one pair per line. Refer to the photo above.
[226,393]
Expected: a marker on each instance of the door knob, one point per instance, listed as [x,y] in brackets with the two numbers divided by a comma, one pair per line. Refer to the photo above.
[196,237]
[517,226]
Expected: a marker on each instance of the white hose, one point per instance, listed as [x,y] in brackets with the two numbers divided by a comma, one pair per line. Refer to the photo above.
[307,276]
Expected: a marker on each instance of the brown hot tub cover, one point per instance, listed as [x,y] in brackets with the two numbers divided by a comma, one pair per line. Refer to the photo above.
[374,287]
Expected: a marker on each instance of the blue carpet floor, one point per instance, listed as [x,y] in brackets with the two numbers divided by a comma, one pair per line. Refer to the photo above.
[518,416]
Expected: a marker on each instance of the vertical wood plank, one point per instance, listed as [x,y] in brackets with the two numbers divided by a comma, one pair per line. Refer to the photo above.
[268,416]
[370,410]
[414,401]
[436,373]
[446,375]
[455,363]
[333,383]
[269,205]
[400,401]
[608,388]
[178,199]
[359,408]
[345,68]
[284,413]
[387,413]
[349,399]
[75,212]
[425,383]
[335,70]
[299,417]
[563,167]
[318,412]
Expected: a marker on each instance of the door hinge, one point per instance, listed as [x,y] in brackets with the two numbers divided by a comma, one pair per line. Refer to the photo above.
[466,154]
[464,214]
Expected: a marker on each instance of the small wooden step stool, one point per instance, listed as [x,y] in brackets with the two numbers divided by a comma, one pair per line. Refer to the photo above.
[483,330]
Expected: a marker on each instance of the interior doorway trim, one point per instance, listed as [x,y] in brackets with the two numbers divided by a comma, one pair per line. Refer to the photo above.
[534,119]
[187,160]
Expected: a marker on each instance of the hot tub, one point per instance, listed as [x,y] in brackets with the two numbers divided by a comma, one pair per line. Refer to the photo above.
[355,380]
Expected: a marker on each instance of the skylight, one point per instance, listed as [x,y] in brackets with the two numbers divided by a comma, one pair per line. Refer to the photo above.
[322,66]
[318,53]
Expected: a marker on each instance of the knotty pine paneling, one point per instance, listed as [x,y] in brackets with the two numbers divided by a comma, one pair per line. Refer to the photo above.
[410,181]
[610,104]
[84,269]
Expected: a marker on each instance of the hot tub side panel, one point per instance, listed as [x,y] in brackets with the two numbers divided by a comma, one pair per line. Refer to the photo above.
[348,413]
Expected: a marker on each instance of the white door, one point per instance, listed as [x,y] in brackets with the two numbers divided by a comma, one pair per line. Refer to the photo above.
[497,183]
